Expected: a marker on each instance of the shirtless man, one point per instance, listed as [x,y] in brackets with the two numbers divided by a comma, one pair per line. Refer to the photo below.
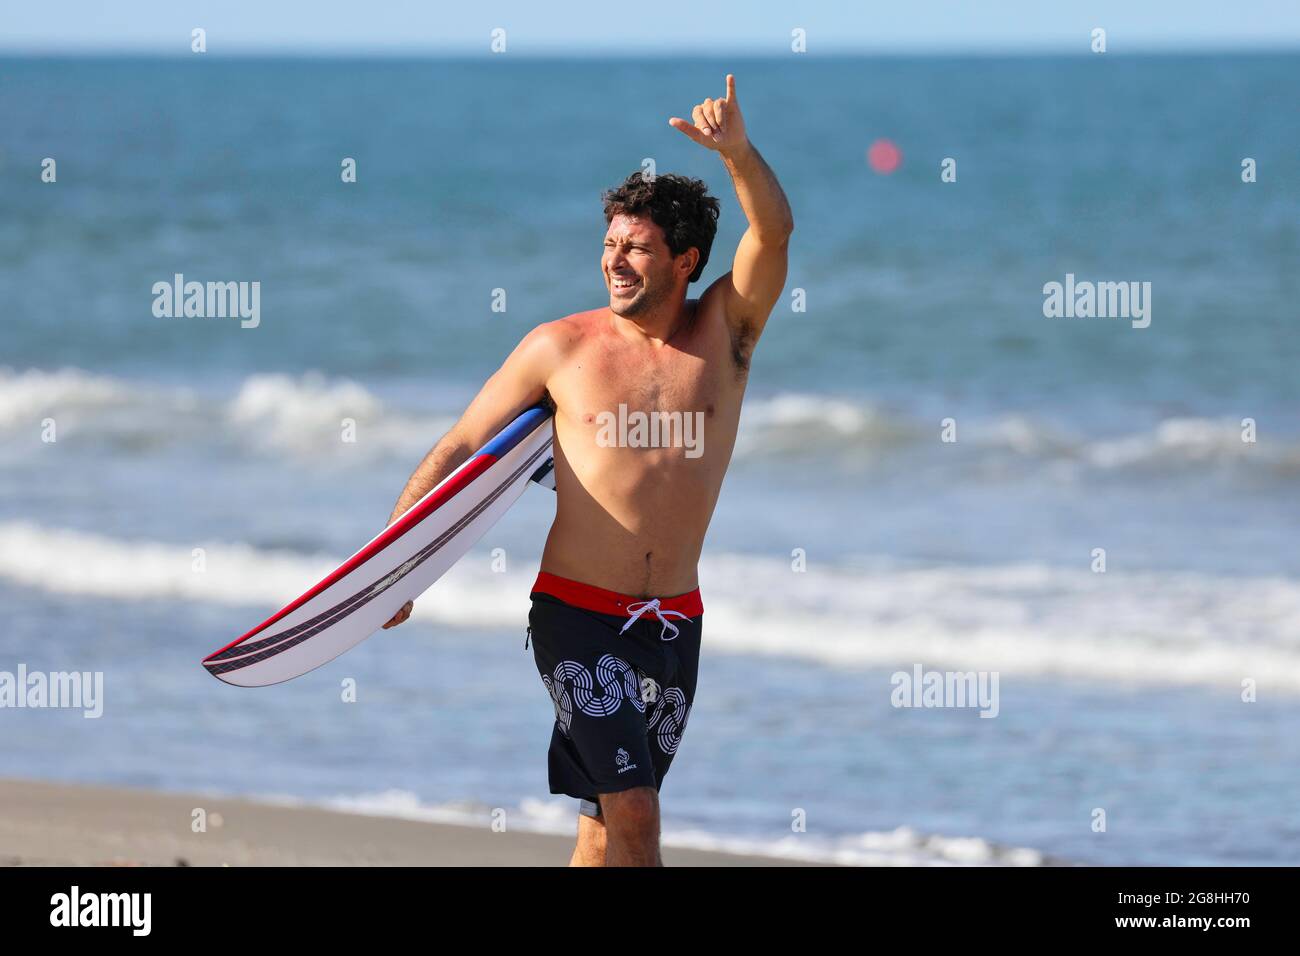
[616,615]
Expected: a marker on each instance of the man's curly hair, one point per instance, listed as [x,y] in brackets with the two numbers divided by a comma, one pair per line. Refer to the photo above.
[679,205]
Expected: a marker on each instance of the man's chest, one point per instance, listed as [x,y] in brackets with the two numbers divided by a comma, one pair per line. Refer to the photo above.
[695,375]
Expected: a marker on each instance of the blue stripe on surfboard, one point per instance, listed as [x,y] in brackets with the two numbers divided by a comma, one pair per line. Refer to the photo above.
[515,432]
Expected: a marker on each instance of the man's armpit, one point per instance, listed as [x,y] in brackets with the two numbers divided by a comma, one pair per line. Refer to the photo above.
[743,337]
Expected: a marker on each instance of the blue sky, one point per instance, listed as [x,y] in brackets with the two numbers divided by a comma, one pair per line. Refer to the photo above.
[662,26]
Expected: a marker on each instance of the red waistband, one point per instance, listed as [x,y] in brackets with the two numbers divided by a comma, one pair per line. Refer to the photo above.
[591,598]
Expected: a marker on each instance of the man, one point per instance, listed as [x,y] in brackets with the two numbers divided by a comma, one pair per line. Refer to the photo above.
[616,614]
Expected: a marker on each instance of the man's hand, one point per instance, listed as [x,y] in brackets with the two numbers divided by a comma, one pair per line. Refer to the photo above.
[401,615]
[718,123]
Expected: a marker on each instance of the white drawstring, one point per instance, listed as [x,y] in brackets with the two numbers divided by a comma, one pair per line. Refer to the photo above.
[636,610]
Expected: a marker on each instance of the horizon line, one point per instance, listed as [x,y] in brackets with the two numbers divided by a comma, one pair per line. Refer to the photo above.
[587,53]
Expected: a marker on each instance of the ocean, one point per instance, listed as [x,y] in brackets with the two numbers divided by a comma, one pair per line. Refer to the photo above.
[1161,695]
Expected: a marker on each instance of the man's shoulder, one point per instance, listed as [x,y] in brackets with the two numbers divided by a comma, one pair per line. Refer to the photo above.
[566,333]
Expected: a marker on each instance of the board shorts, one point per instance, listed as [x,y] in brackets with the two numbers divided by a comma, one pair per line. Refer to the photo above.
[621,673]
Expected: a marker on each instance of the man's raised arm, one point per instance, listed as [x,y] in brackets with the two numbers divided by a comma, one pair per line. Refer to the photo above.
[758,273]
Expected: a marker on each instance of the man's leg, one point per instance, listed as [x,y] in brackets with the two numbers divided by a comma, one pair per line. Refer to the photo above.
[622,738]
[631,827]
[590,850]
[636,825]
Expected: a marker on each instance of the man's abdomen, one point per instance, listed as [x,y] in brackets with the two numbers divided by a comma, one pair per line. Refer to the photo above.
[635,533]
[655,562]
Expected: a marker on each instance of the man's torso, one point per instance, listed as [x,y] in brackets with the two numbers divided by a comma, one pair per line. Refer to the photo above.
[632,518]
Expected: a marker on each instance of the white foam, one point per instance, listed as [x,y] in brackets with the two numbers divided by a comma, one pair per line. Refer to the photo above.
[69,395]
[902,846]
[803,424]
[799,422]
[1151,627]
[303,415]
[1183,441]
[307,414]
[1029,619]
[269,413]
[76,562]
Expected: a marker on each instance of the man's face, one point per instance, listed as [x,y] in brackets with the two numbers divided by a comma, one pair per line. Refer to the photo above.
[637,265]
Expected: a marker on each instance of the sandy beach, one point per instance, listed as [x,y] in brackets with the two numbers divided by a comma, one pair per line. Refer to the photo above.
[54,824]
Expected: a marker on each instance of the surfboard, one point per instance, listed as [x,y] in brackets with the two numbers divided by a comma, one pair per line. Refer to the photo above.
[397,565]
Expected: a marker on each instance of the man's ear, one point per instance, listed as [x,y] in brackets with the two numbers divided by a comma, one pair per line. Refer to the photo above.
[688,260]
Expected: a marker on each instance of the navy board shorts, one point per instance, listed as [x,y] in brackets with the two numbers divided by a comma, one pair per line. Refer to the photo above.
[621,674]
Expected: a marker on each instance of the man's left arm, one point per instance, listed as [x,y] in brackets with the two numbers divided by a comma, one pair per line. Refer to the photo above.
[758,273]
